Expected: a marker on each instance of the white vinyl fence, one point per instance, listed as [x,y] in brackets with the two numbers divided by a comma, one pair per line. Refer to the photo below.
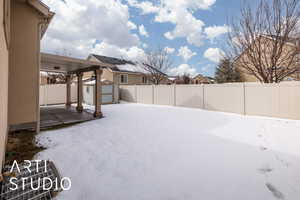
[273,100]
[56,94]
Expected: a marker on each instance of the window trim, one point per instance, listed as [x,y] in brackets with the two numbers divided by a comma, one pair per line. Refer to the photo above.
[125,75]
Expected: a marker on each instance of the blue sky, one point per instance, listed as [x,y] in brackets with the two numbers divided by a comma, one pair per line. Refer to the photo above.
[193,31]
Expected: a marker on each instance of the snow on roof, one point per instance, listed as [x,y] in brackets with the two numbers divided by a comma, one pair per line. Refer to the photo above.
[94,82]
[131,68]
[171,78]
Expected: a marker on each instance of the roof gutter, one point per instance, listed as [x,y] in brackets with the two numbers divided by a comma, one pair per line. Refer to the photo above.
[44,10]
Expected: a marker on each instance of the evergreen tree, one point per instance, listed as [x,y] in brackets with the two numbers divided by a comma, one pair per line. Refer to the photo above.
[226,72]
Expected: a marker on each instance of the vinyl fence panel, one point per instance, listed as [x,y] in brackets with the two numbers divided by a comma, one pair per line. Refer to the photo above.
[189,96]
[224,97]
[262,99]
[128,93]
[164,95]
[56,94]
[272,100]
[145,94]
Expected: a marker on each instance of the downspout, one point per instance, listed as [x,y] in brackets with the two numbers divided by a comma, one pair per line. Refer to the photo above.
[44,21]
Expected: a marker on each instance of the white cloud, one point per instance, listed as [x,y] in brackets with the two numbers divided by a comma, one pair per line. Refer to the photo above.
[215,31]
[169,50]
[186,53]
[131,25]
[146,6]
[182,69]
[132,53]
[179,13]
[214,54]
[142,31]
[78,27]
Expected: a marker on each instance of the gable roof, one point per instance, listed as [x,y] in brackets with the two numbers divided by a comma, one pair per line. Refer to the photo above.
[125,66]
[111,60]
[120,65]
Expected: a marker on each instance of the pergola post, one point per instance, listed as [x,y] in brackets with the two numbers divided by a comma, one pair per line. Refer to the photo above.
[68,100]
[98,93]
[79,107]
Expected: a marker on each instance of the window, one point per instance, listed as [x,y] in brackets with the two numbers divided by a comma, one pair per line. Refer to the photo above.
[144,79]
[87,89]
[6,20]
[124,78]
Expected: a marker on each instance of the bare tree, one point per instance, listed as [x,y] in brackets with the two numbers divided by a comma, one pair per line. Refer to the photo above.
[186,78]
[263,40]
[156,63]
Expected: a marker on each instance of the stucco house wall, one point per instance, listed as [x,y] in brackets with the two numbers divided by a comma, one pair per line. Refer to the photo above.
[3,84]
[133,79]
[24,64]
[266,46]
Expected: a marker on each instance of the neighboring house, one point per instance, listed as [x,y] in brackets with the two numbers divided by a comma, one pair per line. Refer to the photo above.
[23,23]
[265,42]
[120,71]
[200,79]
[52,78]
[176,80]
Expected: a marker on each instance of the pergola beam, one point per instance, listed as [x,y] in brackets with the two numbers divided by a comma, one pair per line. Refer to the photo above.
[98,94]
[68,100]
[70,66]
[79,107]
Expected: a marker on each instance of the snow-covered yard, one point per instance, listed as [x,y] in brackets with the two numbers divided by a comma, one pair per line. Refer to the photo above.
[145,152]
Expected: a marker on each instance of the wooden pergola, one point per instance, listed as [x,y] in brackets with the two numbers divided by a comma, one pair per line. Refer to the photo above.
[70,66]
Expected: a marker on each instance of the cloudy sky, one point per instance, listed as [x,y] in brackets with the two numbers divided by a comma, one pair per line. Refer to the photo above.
[192,31]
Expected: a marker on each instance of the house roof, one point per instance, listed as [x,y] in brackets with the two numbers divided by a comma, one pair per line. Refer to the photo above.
[120,65]
[63,64]
[111,60]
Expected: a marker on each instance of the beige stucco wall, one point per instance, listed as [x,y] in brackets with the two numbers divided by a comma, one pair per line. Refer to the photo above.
[24,64]
[3,87]
[108,75]
[133,79]
[267,45]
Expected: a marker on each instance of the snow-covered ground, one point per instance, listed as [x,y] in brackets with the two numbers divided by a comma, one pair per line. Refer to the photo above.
[145,152]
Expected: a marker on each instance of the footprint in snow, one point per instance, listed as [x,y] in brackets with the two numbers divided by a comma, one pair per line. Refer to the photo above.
[262,148]
[265,170]
[276,193]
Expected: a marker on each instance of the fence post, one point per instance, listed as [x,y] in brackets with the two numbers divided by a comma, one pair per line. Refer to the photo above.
[135,91]
[244,96]
[174,94]
[152,94]
[203,94]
